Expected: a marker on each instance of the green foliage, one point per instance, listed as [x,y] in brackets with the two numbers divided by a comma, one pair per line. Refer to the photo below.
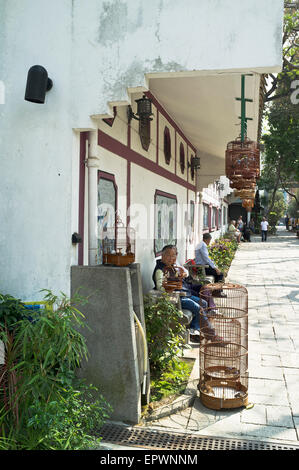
[164,332]
[293,206]
[222,253]
[11,311]
[172,381]
[280,166]
[42,403]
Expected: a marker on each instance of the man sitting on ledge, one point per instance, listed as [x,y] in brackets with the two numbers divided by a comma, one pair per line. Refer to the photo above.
[202,257]
[189,301]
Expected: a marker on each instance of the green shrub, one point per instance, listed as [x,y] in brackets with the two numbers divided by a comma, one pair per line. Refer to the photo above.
[164,332]
[42,403]
[222,253]
[172,381]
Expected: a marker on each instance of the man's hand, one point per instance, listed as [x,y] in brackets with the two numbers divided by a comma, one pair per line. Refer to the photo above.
[218,271]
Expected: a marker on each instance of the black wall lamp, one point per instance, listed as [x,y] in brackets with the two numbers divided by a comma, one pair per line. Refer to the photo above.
[144,110]
[195,163]
[38,83]
[76,238]
[143,115]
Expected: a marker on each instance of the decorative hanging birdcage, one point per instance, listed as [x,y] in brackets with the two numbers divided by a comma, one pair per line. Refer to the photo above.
[242,183]
[248,204]
[242,159]
[245,193]
[224,347]
[119,245]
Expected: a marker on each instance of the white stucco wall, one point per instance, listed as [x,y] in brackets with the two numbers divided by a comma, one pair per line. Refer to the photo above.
[93,51]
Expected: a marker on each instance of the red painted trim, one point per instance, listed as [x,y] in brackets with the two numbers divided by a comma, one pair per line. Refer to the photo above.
[175,151]
[157,139]
[169,119]
[128,191]
[129,135]
[110,121]
[114,146]
[82,157]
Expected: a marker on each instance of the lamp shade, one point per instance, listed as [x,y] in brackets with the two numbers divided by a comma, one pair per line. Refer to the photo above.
[38,83]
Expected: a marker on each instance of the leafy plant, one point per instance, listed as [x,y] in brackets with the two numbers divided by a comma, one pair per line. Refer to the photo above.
[42,403]
[222,253]
[164,332]
[11,311]
[171,381]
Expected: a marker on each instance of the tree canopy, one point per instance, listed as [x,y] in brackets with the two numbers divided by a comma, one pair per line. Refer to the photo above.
[280,165]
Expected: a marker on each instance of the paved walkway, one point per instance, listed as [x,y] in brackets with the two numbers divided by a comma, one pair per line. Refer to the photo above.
[270,271]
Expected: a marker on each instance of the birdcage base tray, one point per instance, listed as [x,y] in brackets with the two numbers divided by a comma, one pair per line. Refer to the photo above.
[118,260]
[223,394]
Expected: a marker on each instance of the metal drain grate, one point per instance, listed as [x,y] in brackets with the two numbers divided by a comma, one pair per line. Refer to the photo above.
[151,439]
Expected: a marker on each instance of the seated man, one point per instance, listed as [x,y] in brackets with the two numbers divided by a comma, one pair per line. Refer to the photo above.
[233,232]
[202,257]
[190,302]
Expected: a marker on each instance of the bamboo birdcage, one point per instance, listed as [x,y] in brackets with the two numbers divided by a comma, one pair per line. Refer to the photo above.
[119,245]
[242,159]
[172,278]
[224,360]
[223,375]
[226,295]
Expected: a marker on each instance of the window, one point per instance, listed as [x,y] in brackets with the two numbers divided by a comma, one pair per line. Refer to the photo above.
[214,217]
[224,215]
[167,145]
[219,218]
[205,216]
[190,229]
[165,220]
[107,208]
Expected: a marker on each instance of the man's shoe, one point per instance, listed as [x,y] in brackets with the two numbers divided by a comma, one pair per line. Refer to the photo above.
[194,332]
[194,338]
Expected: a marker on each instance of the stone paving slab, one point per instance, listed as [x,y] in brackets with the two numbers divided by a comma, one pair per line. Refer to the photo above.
[273,351]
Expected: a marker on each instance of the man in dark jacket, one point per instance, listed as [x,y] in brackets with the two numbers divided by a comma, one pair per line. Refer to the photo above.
[189,301]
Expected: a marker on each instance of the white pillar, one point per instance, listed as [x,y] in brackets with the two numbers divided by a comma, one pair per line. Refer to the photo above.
[93,166]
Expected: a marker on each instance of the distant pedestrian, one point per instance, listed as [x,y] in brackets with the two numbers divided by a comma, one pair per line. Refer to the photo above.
[240,224]
[264,229]
[251,225]
[286,221]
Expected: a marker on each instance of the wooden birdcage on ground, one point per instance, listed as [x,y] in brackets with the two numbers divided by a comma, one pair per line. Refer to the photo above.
[223,375]
[228,295]
[224,346]
[119,244]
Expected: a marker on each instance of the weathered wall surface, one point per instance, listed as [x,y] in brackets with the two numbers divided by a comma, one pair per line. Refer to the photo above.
[93,51]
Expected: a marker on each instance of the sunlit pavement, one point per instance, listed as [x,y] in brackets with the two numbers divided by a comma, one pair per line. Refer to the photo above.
[270,272]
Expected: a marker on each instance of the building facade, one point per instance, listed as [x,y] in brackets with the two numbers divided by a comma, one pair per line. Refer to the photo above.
[62,160]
